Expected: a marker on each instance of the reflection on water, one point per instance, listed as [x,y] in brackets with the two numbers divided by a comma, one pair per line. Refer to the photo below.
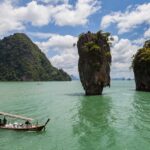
[94,125]
[142,114]
[117,120]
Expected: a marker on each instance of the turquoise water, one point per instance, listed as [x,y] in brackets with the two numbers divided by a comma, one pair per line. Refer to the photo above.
[117,120]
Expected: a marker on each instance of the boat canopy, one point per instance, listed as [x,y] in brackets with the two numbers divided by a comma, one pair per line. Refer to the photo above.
[15,116]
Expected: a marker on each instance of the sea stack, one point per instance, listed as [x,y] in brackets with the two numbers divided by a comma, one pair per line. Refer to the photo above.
[141,68]
[94,61]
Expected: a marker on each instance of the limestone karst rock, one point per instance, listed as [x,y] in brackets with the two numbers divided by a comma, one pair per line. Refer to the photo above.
[22,60]
[141,68]
[94,61]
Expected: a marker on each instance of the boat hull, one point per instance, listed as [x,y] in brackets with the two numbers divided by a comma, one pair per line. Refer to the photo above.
[35,128]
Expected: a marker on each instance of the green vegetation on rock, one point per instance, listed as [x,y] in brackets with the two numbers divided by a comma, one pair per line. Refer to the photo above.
[142,58]
[91,46]
[22,60]
[94,61]
[140,64]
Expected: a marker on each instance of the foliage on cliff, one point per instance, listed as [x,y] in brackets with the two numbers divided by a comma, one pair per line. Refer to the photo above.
[97,42]
[94,61]
[22,60]
[141,67]
[142,57]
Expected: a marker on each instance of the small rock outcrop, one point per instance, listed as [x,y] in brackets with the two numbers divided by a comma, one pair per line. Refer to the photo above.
[22,60]
[94,62]
[141,68]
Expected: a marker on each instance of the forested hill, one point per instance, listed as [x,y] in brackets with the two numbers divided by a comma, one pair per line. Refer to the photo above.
[22,60]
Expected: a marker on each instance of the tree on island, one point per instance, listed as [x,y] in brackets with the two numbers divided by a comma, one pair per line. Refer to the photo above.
[22,60]
[141,68]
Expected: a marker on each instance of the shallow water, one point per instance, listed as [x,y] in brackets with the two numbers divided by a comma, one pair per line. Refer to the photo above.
[117,120]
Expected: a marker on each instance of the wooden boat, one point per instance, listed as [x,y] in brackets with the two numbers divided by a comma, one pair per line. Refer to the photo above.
[21,127]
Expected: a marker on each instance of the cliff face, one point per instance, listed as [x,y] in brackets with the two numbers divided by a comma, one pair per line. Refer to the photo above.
[141,68]
[94,62]
[22,60]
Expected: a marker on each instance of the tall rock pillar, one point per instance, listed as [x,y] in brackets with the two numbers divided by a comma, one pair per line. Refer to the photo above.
[94,62]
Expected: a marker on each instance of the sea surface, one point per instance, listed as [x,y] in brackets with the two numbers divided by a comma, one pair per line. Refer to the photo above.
[117,120]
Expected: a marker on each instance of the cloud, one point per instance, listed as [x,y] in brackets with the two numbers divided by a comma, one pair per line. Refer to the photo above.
[67,61]
[14,18]
[36,14]
[147,33]
[8,19]
[66,56]
[12,1]
[141,41]
[58,43]
[54,1]
[40,35]
[128,20]
[77,15]
[122,52]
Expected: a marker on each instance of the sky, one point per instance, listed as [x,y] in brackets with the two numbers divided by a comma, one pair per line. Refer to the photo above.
[54,25]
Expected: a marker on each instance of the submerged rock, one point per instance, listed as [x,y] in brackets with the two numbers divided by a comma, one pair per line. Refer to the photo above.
[94,62]
[141,68]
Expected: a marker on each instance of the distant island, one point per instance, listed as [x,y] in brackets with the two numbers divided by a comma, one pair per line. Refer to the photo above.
[122,78]
[74,77]
[22,60]
[141,68]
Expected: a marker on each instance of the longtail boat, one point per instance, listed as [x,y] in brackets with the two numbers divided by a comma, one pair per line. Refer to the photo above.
[19,126]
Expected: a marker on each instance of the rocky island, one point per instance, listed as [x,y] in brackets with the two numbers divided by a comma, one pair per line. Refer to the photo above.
[94,61]
[22,60]
[141,68]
